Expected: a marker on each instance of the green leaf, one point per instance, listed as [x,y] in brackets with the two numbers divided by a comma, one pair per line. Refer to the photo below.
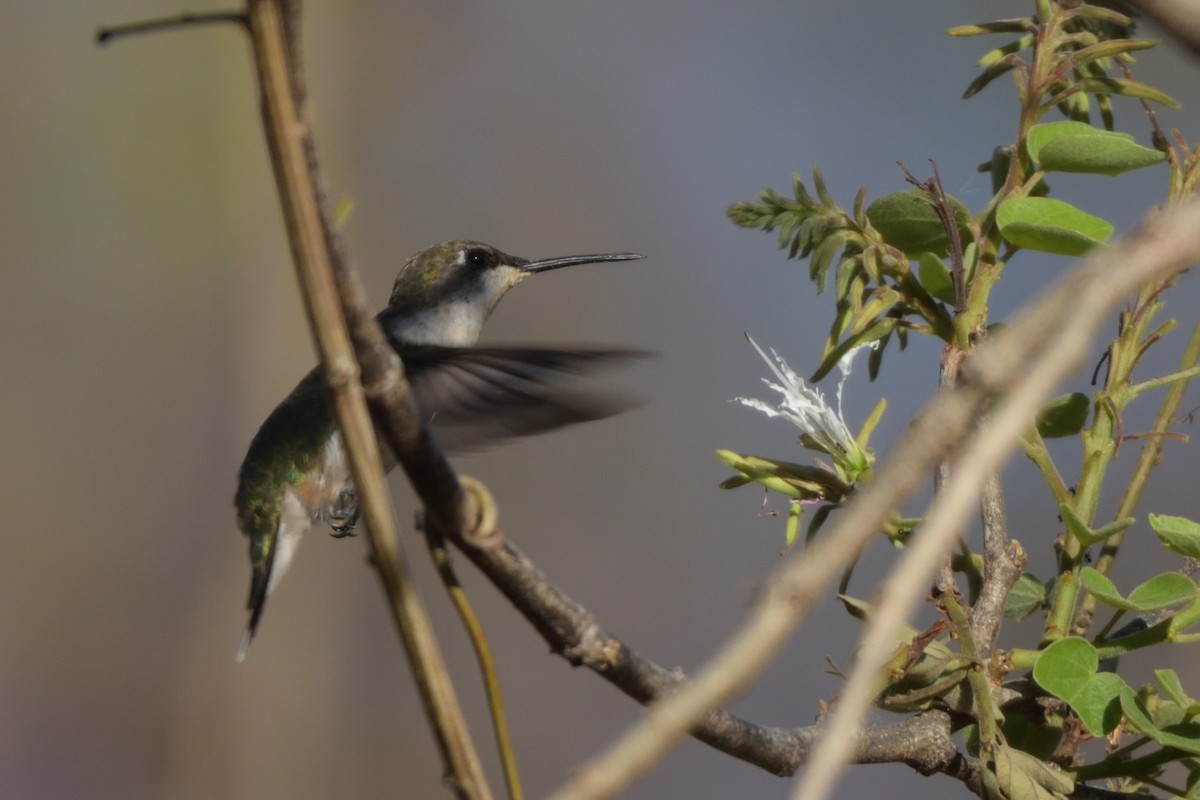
[792,529]
[1043,134]
[988,75]
[795,481]
[1029,735]
[1097,154]
[1101,588]
[1065,667]
[1103,14]
[1183,736]
[1108,49]
[907,221]
[877,331]
[1063,416]
[861,610]
[1020,776]
[999,26]
[1128,88]
[1177,534]
[1027,596]
[935,277]
[1051,226]
[1069,146]
[1086,536]
[1169,681]
[823,253]
[1015,46]
[1163,591]
[1098,704]
[818,519]
[1075,525]
[1112,528]
[863,439]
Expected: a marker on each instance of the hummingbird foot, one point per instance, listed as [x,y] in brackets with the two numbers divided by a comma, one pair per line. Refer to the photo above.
[343,514]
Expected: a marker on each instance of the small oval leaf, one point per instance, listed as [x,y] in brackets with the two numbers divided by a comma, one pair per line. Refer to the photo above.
[1099,703]
[1184,736]
[1063,416]
[1044,133]
[1097,154]
[1100,587]
[1051,226]
[1163,591]
[935,277]
[907,221]
[1027,596]
[1177,534]
[1065,667]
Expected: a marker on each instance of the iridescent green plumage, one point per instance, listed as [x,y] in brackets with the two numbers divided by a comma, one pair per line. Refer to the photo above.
[285,449]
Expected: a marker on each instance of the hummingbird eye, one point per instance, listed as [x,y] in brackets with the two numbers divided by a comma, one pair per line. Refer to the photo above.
[479,257]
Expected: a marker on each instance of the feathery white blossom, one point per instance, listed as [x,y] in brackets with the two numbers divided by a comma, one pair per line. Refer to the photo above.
[805,407]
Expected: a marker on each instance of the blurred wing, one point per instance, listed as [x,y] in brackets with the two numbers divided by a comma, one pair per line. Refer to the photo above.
[476,395]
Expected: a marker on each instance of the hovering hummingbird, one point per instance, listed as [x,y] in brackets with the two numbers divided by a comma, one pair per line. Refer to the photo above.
[296,473]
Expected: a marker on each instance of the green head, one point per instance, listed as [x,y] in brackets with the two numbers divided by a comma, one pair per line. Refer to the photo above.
[443,294]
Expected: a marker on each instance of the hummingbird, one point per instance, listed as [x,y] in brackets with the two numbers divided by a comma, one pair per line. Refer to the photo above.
[296,474]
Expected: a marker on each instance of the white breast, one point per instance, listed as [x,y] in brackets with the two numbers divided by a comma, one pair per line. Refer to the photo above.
[305,504]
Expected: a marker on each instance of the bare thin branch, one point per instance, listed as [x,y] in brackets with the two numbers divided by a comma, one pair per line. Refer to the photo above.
[1003,562]
[186,19]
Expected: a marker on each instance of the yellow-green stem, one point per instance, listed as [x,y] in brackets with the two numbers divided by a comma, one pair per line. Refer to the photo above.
[483,654]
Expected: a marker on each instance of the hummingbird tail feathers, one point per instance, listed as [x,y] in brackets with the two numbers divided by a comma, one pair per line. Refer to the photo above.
[244,647]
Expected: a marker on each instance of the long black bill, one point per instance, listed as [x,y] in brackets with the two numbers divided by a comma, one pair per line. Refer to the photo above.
[570,261]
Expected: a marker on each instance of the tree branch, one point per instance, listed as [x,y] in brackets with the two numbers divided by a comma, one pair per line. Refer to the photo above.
[187,19]
[273,26]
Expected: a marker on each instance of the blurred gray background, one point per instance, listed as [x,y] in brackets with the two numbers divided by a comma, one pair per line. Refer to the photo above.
[149,321]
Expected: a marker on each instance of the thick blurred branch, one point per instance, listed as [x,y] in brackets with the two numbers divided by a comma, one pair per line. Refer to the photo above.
[1180,19]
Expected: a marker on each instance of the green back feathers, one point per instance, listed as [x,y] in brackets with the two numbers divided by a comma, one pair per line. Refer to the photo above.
[286,447]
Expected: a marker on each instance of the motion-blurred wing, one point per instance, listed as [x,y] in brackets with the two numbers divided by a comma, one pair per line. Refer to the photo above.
[478,395]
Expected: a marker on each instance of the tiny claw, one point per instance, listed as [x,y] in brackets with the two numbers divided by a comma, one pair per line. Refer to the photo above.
[343,515]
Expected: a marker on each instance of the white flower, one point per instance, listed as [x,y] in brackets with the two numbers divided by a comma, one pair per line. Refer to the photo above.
[805,407]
